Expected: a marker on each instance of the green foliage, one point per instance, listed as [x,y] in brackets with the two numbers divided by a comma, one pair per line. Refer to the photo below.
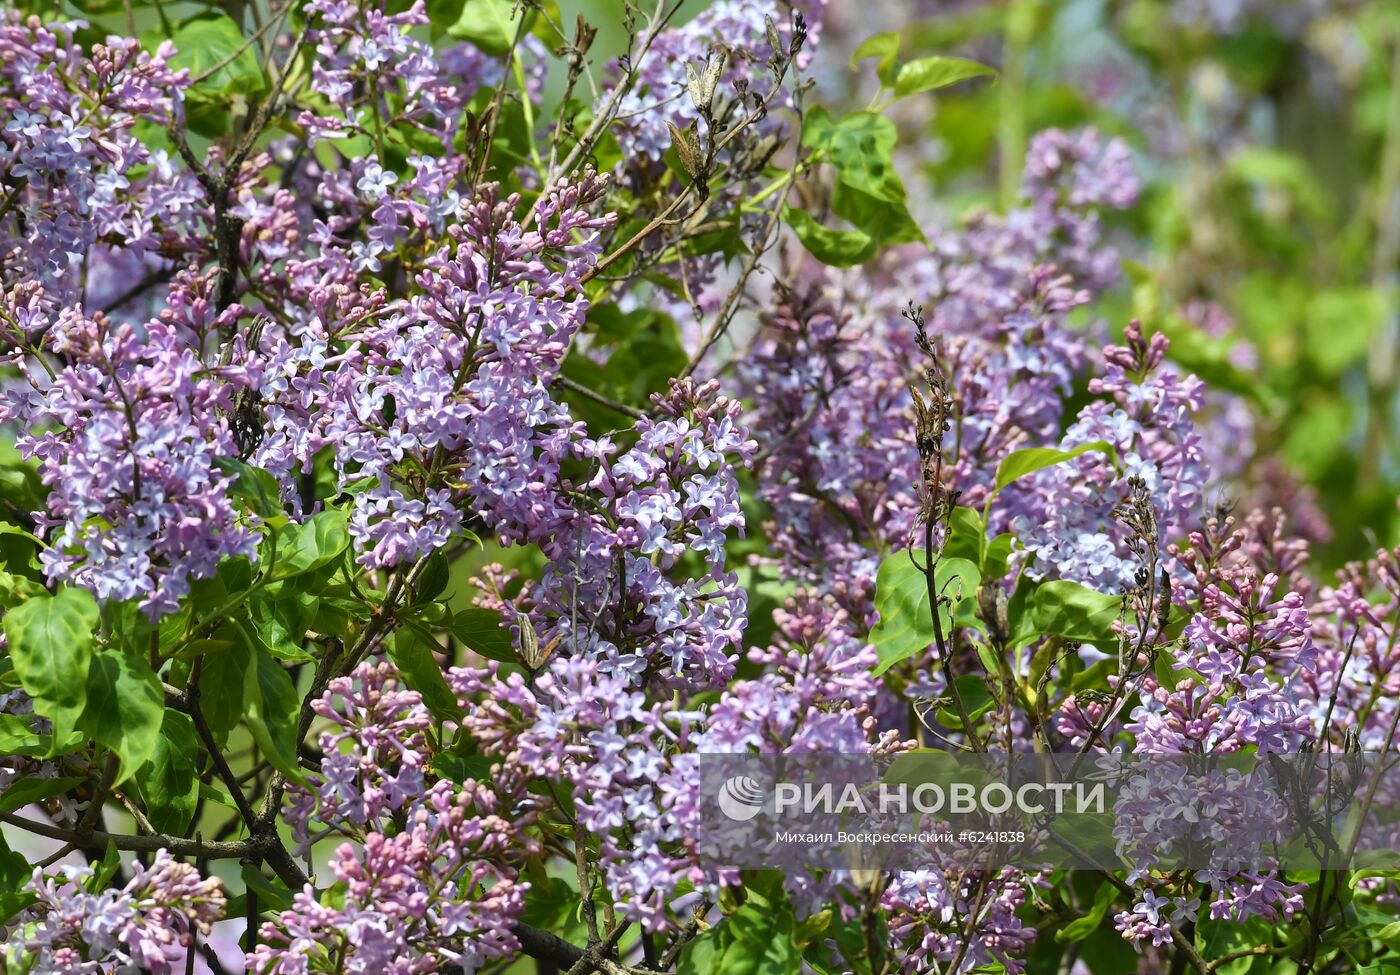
[883,47]
[902,600]
[50,640]
[869,193]
[212,44]
[125,708]
[412,650]
[170,780]
[272,707]
[480,630]
[930,74]
[1074,612]
[1022,463]
[759,937]
[488,24]
[1087,923]
[317,542]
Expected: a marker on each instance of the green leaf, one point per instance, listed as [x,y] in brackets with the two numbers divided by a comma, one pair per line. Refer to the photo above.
[1074,612]
[811,928]
[480,630]
[7,529]
[869,193]
[552,905]
[997,558]
[901,598]
[1019,463]
[272,896]
[1081,927]
[861,148]
[1218,938]
[317,542]
[758,941]
[15,872]
[462,768]
[170,780]
[254,485]
[837,248]
[17,737]
[928,74]
[487,24]
[884,46]
[272,709]
[433,580]
[222,683]
[106,869]
[1339,326]
[125,708]
[211,40]
[214,793]
[50,641]
[967,534]
[411,650]
[976,700]
[30,790]
[280,625]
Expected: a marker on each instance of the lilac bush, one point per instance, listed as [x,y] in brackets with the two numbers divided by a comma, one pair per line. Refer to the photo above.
[433,431]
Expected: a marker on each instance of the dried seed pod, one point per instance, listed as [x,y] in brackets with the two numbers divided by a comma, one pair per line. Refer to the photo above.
[702,84]
[688,149]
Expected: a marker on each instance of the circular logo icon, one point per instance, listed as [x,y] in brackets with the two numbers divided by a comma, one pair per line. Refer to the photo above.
[741,798]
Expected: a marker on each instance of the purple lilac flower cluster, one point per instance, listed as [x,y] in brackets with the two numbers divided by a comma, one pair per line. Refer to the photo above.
[625,758]
[84,184]
[1247,658]
[426,881]
[673,492]
[129,434]
[148,923]
[443,398]
[830,371]
[728,29]
[831,367]
[1066,515]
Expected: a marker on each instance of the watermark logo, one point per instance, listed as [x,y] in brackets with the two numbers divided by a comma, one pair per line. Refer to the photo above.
[741,798]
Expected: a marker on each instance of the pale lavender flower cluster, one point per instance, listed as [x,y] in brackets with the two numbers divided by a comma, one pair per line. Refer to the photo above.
[1247,662]
[1069,178]
[673,492]
[128,434]
[931,929]
[841,473]
[830,369]
[443,397]
[733,29]
[147,924]
[427,881]
[629,760]
[431,895]
[1065,514]
[83,181]
[375,753]
[1357,674]
[372,67]
[816,696]
[1151,918]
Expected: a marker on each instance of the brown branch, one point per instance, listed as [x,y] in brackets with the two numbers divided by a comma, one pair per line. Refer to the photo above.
[566,383]
[176,845]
